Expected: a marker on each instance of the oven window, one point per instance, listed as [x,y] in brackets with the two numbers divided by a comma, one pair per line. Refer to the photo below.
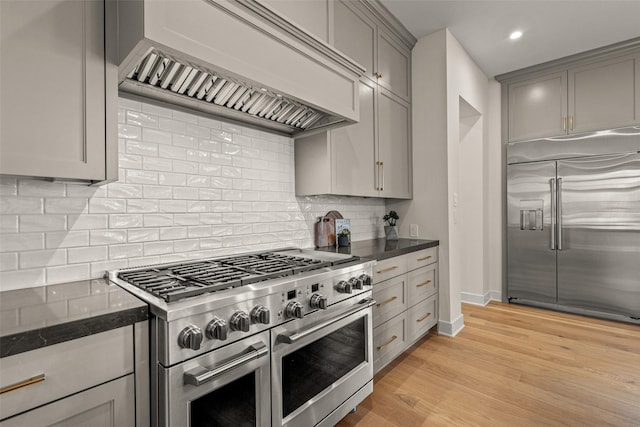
[232,405]
[314,367]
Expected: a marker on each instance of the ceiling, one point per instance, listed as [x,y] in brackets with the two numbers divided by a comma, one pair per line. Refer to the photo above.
[551,28]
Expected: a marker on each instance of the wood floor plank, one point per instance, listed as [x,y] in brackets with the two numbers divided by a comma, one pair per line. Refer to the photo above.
[512,366]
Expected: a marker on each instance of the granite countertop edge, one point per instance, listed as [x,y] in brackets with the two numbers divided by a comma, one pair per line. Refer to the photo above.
[380,249]
[39,336]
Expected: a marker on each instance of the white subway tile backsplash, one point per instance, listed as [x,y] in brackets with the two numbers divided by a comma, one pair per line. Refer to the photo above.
[190,187]
[46,258]
[143,235]
[108,237]
[8,261]
[66,205]
[157,136]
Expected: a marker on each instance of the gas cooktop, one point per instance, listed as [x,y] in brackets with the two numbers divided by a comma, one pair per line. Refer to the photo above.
[174,282]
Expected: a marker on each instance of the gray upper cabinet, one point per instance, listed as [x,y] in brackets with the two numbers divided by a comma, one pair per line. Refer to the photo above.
[355,35]
[602,95]
[394,146]
[372,44]
[58,116]
[595,95]
[537,107]
[393,65]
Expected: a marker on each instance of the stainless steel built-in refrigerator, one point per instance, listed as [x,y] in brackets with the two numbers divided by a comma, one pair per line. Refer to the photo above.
[573,231]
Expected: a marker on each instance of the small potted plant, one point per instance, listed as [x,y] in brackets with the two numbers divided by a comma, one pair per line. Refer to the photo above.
[391,229]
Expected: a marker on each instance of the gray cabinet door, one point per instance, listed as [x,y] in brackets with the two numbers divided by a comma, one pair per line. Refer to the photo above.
[52,88]
[353,149]
[394,65]
[355,35]
[600,224]
[531,259]
[108,405]
[603,95]
[394,146]
[538,107]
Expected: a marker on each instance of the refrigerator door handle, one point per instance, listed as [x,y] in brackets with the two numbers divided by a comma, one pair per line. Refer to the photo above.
[559,209]
[552,183]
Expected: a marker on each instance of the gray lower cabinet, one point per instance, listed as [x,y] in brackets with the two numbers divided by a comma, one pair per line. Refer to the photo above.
[89,381]
[406,292]
[597,95]
[57,116]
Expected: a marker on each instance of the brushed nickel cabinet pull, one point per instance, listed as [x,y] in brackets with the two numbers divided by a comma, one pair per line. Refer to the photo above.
[571,122]
[380,304]
[388,269]
[423,317]
[23,383]
[393,338]
[423,284]
[564,122]
[424,258]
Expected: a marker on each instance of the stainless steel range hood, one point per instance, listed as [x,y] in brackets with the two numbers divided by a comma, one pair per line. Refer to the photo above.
[237,60]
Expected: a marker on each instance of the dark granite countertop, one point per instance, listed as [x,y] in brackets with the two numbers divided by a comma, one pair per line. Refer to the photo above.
[32,318]
[380,249]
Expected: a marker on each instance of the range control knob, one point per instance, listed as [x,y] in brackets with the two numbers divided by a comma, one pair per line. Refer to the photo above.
[260,314]
[190,337]
[343,287]
[294,309]
[217,329]
[239,321]
[318,301]
[366,279]
[356,283]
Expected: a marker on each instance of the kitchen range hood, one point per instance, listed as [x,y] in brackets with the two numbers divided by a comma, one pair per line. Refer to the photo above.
[238,60]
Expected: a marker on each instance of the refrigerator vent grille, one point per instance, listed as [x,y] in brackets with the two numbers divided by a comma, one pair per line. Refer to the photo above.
[206,86]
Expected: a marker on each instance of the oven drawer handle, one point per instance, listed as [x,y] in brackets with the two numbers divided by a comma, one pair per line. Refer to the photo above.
[200,376]
[292,337]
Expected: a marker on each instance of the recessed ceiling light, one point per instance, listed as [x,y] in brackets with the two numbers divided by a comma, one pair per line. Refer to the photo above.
[515,35]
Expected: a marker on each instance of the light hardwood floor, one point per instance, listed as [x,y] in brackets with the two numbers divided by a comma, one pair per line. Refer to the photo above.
[512,366]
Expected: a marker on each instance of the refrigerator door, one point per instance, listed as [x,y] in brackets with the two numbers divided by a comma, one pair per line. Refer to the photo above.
[531,256]
[599,234]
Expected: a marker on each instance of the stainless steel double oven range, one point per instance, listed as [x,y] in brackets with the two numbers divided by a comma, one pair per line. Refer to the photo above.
[279,338]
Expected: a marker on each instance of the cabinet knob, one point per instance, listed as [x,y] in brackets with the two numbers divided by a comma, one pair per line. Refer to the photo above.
[379,75]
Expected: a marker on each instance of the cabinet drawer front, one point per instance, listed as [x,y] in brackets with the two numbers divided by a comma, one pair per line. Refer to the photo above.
[422,283]
[68,367]
[422,258]
[388,268]
[421,317]
[388,341]
[391,298]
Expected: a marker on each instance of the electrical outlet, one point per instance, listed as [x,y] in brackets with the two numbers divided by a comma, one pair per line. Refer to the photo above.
[413,231]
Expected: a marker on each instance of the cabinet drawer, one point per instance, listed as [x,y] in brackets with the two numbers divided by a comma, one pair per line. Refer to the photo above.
[422,283]
[391,298]
[388,341]
[421,317]
[388,268]
[422,258]
[68,367]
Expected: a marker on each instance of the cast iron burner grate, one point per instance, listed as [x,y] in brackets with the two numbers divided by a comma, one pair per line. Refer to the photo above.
[199,277]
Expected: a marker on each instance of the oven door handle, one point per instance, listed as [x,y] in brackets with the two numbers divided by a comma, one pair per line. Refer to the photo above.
[292,337]
[201,375]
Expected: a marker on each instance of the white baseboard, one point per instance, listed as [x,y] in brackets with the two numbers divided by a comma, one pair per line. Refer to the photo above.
[451,329]
[479,299]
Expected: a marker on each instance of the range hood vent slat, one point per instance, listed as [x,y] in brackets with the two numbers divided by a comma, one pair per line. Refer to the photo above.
[207,86]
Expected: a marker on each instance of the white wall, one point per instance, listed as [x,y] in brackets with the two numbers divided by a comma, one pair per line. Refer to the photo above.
[189,187]
[453,149]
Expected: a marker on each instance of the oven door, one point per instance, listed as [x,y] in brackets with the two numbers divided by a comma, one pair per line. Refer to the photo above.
[318,364]
[225,387]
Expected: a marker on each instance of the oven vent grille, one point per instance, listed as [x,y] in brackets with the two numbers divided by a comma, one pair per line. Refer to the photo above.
[159,71]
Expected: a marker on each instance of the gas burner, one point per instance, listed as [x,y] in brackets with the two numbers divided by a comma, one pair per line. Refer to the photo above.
[175,282]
